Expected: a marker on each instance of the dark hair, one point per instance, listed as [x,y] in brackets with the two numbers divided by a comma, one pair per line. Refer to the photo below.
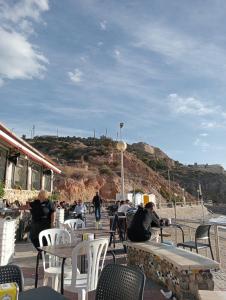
[150,205]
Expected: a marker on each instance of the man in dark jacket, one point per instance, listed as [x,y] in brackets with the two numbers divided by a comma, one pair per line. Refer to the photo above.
[140,228]
[97,201]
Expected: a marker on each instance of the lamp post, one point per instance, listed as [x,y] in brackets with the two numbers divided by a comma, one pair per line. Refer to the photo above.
[202,203]
[121,146]
[183,196]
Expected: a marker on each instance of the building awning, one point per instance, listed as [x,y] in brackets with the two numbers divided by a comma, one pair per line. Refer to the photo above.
[21,148]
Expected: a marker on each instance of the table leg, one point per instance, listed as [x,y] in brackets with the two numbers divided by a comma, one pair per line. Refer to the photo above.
[36,269]
[62,276]
[161,235]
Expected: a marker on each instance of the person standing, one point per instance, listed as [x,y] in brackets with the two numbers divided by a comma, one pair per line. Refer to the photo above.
[97,201]
[43,216]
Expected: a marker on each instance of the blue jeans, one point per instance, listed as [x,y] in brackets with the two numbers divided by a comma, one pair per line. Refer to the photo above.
[97,213]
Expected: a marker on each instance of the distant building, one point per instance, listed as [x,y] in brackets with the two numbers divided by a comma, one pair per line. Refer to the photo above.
[23,169]
[214,168]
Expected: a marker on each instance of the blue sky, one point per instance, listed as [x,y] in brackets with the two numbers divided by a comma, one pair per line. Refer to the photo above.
[78,65]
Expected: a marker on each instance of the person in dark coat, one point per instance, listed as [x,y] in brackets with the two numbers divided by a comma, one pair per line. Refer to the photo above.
[140,227]
[97,202]
[43,216]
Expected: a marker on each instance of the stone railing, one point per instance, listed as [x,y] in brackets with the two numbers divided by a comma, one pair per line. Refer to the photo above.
[181,271]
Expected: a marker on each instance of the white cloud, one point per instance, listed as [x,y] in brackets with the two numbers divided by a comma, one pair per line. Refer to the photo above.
[203,145]
[75,76]
[204,134]
[117,53]
[103,25]
[190,105]
[210,125]
[18,58]
[23,9]
[1,82]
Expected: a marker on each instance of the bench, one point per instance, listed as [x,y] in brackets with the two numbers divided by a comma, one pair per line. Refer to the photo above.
[181,271]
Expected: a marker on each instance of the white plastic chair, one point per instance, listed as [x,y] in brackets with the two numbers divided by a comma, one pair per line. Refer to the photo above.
[75,223]
[94,250]
[52,265]
[71,225]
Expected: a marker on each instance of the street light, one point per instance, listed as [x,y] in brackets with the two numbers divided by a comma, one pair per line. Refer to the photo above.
[183,196]
[121,146]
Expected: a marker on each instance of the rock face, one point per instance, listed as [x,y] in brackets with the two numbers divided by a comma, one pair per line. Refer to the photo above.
[213,184]
[89,165]
[94,164]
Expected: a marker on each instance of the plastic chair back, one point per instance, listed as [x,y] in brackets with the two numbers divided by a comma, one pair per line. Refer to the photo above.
[52,237]
[12,273]
[121,283]
[93,250]
[202,232]
[75,223]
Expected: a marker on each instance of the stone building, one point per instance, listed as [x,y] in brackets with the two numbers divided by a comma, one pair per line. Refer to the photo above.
[23,169]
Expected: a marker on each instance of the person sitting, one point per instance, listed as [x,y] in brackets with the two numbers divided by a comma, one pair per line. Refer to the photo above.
[80,210]
[140,229]
[124,206]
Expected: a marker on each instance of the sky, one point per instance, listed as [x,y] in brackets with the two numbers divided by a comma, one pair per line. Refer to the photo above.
[159,66]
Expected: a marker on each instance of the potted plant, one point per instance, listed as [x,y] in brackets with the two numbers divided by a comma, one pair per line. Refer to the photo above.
[2,190]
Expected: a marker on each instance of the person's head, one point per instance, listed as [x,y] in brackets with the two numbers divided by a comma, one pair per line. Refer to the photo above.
[42,196]
[97,193]
[127,201]
[79,202]
[122,202]
[150,206]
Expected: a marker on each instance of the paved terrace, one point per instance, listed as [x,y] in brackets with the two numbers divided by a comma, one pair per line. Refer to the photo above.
[25,257]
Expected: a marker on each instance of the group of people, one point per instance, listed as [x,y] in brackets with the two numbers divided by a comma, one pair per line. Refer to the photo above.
[43,213]
[43,216]
[142,225]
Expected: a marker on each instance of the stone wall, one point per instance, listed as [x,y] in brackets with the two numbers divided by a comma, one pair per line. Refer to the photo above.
[185,212]
[183,283]
[20,195]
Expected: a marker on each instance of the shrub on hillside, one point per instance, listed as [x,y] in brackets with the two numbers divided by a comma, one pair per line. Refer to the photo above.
[105,170]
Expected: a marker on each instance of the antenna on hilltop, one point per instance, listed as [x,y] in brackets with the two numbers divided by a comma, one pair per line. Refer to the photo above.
[33,131]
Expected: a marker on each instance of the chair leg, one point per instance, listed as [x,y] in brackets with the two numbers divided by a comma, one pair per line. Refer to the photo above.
[55,283]
[82,295]
[45,280]
[211,251]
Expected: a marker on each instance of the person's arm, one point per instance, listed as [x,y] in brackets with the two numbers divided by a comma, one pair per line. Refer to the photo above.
[147,221]
[53,219]
[155,218]
[53,214]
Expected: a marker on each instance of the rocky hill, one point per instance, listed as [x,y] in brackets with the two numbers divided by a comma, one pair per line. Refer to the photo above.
[94,164]
[211,177]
